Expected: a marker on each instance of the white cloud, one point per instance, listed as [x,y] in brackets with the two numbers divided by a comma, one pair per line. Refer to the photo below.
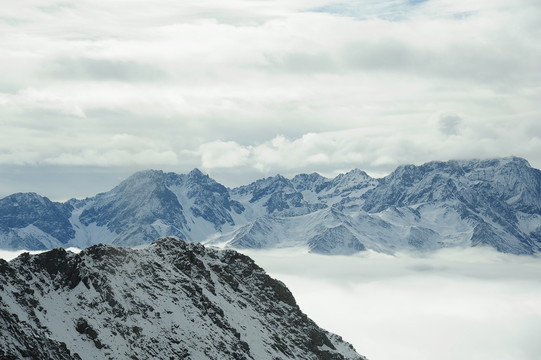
[378,149]
[31,98]
[222,154]
[189,81]
[455,304]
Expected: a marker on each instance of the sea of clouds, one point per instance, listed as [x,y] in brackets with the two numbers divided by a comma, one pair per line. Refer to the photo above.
[453,304]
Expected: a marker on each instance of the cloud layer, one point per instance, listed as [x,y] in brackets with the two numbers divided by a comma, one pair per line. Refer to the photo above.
[261,87]
[470,303]
[455,304]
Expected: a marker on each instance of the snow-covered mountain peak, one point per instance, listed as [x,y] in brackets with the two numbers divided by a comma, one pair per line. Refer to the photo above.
[353,179]
[310,181]
[357,173]
[197,181]
[496,163]
[494,202]
[265,186]
[28,196]
[510,177]
[197,175]
[409,175]
[22,201]
[143,177]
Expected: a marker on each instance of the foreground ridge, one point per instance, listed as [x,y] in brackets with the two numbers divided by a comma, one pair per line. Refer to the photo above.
[171,299]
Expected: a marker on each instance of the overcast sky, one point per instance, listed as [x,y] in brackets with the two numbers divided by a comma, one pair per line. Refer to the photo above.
[91,91]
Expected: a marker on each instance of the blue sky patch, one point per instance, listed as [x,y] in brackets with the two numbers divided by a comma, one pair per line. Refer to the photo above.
[393,10]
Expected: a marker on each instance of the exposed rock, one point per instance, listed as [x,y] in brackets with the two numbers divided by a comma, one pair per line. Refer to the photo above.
[169,300]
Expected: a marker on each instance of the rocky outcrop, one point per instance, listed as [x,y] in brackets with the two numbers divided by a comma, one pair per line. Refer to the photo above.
[169,300]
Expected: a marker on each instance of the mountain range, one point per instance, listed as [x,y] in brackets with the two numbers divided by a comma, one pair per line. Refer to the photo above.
[169,300]
[495,203]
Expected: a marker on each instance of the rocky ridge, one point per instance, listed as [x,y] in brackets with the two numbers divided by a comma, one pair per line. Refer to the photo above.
[171,299]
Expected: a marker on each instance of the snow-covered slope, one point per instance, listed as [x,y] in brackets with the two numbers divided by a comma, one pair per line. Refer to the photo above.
[476,202]
[170,300]
[152,203]
[326,231]
[274,195]
[31,221]
[494,203]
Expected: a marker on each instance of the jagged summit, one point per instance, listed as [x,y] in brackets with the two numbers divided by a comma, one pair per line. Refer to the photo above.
[494,202]
[171,299]
[196,173]
[503,161]
[158,176]
[462,167]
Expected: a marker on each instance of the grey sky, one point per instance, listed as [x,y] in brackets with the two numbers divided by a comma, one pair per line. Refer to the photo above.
[91,91]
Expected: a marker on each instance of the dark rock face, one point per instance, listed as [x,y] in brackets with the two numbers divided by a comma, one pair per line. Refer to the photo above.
[277,194]
[19,211]
[211,200]
[23,341]
[169,300]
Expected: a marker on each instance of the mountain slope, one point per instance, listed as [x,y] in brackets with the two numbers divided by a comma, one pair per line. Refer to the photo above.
[169,300]
[326,231]
[494,203]
[486,196]
[31,221]
[152,203]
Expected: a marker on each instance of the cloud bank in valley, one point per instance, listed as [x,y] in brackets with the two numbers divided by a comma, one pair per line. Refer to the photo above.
[455,304]
[470,303]
[254,88]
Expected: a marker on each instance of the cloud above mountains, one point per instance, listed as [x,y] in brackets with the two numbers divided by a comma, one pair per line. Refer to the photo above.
[264,87]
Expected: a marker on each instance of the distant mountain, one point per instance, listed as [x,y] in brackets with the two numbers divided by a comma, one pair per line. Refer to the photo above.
[494,203]
[491,202]
[152,203]
[170,300]
[326,231]
[30,221]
